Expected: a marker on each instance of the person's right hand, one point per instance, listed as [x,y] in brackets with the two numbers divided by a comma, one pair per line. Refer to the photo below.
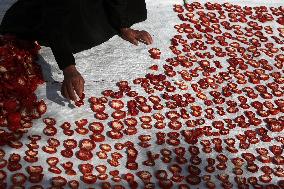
[133,36]
[73,83]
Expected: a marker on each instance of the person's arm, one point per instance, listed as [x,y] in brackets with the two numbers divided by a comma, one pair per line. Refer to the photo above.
[123,14]
[61,50]
[73,82]
[55,15]
[118,13]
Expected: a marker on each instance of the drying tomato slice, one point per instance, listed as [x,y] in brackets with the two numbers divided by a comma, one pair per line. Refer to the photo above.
[73,184]
[144,138]
[105,147]
[133,112]
[177,178]
[145,119]
[119,114]
[101,116]
[31,153]
[98,137]
[161,174]
[132,94]
[116,155]
[116,125]
[34,138]
[262,151]
[173,141]
[130,122]
[238,162]
[35,178]
[70,172]
[265,178]
[173,115]
[278,160]
[175,168]
[87,144]
[160,125]
[221,166]
[67,165]
[166,183]
[19,179]
[89,178]
[101,169]
[181,160]
[82,131]
[102,176]
[132,153]
[251,167]
[50,131]
[55,170]
[115,134]
[96,127]
[249,157]
[145,108]
[119,146]
[67,153]
[66,126]
[113,162]
[31,159]
[86,168]
[53,142]
[106,185]
[3,175]
[195,160]
[34,170]
[98,107]
[84,155]
[49,121]
[116,104]
[68,132]
[15,144]
[155,53]
[130,131]
[166,152]
[14,158]
[58,181]
[166,159]
[3,163]
[107,93]
[146,126]
[102,155]
[276,150]
[144,144]
[81,123]
[145,176]
[70,143]
[158,116]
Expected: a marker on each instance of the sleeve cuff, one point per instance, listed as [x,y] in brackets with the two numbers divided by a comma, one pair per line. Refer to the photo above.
[61,50]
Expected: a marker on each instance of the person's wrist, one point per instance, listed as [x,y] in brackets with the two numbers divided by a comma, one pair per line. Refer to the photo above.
[69,69]
[124,29]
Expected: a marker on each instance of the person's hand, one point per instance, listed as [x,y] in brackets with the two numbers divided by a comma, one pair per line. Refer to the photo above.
[133,36]
[73,83]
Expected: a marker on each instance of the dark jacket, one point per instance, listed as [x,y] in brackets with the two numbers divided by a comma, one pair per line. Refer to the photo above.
[71,26]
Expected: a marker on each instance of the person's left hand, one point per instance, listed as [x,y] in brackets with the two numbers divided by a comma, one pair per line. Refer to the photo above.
[133,36]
